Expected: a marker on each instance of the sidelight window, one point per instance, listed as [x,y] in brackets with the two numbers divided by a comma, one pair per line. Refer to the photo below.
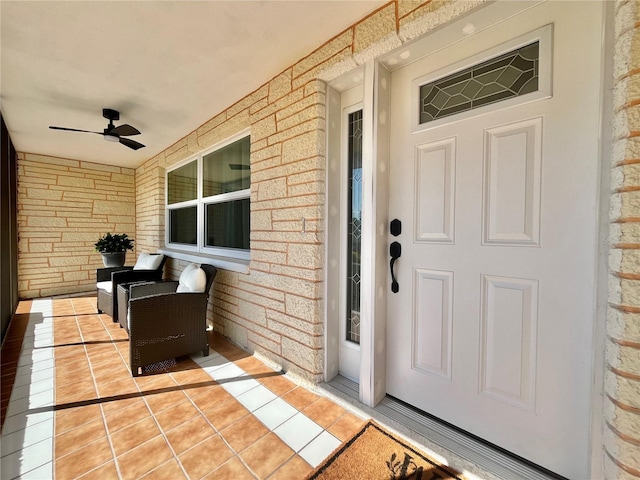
[354,225]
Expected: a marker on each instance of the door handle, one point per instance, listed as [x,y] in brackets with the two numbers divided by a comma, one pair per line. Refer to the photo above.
[395,250]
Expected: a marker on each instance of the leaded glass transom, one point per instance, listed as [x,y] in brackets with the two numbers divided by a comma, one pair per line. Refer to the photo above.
[509,75]
[354,227]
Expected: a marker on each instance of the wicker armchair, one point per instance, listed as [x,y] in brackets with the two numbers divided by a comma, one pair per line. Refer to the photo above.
[165,324]
[108,280]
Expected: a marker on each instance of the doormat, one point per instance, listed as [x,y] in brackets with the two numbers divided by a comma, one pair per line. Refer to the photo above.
[374,453]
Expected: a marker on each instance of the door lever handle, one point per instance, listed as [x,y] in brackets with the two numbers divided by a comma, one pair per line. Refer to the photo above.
[395,250]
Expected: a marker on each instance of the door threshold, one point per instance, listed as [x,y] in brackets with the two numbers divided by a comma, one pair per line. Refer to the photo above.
[463,451]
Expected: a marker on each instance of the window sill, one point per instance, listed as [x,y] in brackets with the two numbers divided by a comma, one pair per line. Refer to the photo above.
[225,263]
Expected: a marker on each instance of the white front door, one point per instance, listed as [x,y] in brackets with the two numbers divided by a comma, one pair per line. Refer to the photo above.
[491,327]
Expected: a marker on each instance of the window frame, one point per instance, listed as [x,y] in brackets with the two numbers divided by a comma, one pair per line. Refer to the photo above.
[201,203]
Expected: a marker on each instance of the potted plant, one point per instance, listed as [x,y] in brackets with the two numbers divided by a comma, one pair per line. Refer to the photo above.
[113,248]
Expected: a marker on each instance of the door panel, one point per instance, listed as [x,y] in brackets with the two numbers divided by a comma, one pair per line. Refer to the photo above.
[513,159]
[491,327]
[432,323]
[508,340]
[435,191]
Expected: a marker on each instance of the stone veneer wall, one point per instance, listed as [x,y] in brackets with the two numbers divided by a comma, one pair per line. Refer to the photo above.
[277,309]
[622,376]
[63,207]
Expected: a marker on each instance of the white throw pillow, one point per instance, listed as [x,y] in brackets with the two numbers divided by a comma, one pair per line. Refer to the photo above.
[146,261]
[106,286]
[192,280]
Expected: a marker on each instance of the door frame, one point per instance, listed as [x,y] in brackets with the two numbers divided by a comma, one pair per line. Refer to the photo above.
[375,222]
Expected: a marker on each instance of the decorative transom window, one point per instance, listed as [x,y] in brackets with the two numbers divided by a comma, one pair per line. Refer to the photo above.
[508,75]
[208,201]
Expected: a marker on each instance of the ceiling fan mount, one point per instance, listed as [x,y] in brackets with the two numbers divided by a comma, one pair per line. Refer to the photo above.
[110,114]
[112,133]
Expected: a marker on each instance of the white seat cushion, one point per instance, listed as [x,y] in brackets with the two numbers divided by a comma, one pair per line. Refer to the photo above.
[146,261]
[106,286]
[192,280]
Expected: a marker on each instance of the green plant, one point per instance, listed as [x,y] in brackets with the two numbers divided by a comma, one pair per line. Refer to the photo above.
[118,242]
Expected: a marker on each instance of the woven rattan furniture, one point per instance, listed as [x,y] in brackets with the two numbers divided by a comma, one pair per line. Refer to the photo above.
[108,280]
[163,323]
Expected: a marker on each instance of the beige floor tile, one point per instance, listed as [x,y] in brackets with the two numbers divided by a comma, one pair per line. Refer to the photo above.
[111,405]
[70,418]
[278,384]
[139,461]
[267,455]
[226,413]
[234,469]
[161,400]
[294,469]
[118,388]
[167,471]
[244,433]
[104,472]
[346,426]
[212,398]
[205,457]
[72,440]
[193,375]
[186,435]
[127,416]
[155,383]
[324,412]
[134,435]
[83,460]
[300,398]
[178,414]
[67,397]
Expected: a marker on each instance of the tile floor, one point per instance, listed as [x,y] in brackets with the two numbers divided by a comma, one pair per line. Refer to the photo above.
[70,408]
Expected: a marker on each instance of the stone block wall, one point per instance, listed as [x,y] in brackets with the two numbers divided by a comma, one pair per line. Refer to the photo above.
[277,309]
[622,375]
[63,207]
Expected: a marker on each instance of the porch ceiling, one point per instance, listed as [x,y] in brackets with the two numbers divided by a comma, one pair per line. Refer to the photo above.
[167,66]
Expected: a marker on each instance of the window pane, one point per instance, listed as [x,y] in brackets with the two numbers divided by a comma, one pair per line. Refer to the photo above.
[509,75]
[228,224]
[182,183]
[228,169]
[354,222]
[183,225]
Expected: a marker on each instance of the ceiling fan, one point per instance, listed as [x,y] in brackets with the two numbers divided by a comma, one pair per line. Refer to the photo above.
[112,133]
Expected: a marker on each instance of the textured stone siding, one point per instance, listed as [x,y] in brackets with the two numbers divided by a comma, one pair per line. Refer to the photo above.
[622,377]
[277,309]
[63,207]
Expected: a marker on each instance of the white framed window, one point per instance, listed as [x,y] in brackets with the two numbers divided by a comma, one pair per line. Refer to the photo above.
[208,201]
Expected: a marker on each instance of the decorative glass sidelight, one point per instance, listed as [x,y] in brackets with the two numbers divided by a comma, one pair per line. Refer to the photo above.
[354,226]
[508,75]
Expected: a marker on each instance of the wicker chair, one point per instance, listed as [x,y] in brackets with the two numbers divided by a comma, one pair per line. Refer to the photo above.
[108,280]
[165,324]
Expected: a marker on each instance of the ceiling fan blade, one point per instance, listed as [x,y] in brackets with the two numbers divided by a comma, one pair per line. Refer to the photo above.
[131,143]
[73,130]
[125,130]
